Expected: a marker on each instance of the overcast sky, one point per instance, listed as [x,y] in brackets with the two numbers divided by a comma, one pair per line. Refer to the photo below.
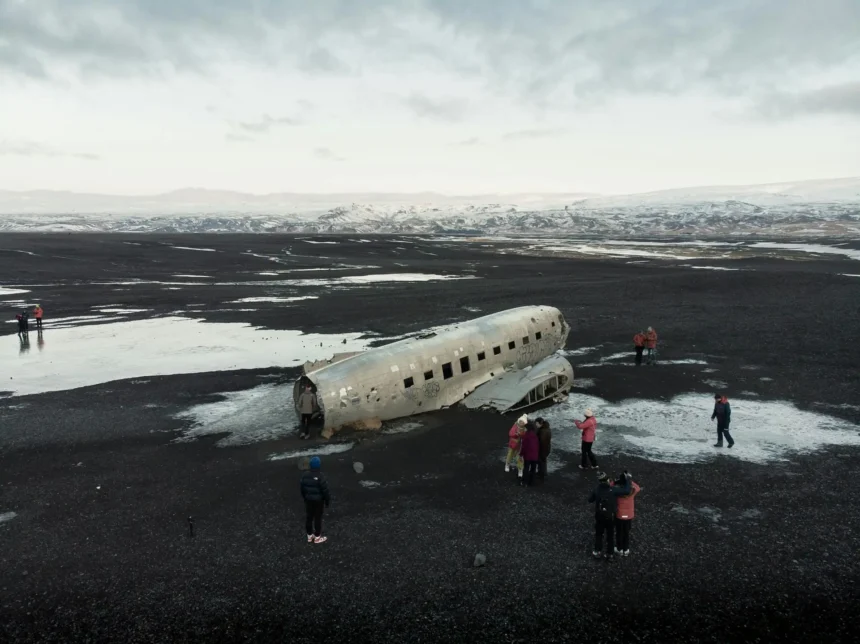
[453,96]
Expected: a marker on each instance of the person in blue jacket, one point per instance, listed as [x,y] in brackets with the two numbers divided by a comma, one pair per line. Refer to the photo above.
[723,414]
[316,496]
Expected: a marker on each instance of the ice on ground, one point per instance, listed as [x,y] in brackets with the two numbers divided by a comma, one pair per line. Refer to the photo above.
[310,241]
[712,268]
[273,299]
[810,248]
[631,363]
[582,383]
[680,431]
[597,249]
[402,427]
[250,416]
[165,346]
[323,450]
[268,273]
[207,250]
[716,384]
[848,275]
[580,351]
[7,516]
[369,484]
[205,277]
[67,321]
[120,309]
[12,291]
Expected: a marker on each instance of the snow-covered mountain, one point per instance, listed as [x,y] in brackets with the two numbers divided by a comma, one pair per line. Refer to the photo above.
[825,207]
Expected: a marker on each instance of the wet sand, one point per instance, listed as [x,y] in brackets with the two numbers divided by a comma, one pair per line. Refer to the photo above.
[99,475]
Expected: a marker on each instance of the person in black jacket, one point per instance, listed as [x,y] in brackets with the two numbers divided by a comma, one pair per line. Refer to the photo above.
[605,499]
[316,495]
[545,437]
[723,414]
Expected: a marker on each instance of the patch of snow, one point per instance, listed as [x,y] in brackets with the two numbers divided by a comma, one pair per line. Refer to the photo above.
[848,275]
[750,394]
[309,241]
[711,268]
[631,363]
[121,310]
[165,346]
[12,291]
[207,250]
[402,427]
[268,273]
[324,450]
[581,351]
[7,516]
[369,484]
[597,249]
[716,384]
[582,383]
[680,431]
[810,248]
[205,277]
[273,299]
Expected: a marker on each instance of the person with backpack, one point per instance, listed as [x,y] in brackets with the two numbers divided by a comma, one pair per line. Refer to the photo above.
[624,514]
[544,434]
[588,428]
[605,499]
[316,496]
[723,414]
[639,345]
[531,454]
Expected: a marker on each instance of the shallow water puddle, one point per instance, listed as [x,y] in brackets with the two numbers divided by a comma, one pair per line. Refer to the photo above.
[164,346]
[680,431]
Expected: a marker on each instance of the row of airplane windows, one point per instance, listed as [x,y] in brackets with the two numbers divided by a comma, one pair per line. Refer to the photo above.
[465,366]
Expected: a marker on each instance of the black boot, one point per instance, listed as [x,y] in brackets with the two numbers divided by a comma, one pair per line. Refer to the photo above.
[718,444]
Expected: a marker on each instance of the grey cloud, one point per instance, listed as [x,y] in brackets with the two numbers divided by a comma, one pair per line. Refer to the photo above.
[542,52]
[447,109]
[834,99]
[327,155]
[34,149]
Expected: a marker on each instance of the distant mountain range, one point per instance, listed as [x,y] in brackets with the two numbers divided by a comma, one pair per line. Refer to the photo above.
[821,207]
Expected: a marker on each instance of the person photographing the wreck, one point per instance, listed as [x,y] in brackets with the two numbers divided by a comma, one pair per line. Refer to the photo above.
[588,428]
[624,513]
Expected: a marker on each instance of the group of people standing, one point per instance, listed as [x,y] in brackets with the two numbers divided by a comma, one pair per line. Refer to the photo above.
[529,445]
[646,340]
[23,319]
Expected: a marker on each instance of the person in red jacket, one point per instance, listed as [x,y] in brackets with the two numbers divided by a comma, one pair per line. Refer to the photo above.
[531,454]
[639,343]
[624,514]
[651,345]
[587,427]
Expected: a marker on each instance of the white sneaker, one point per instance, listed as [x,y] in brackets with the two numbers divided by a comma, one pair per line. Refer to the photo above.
[626,553]
[507,468]
[595,553]
[320,539]
[310,538]
[617,551]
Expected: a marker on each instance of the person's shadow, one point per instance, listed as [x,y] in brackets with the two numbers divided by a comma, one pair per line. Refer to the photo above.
[25,344]
[40,341]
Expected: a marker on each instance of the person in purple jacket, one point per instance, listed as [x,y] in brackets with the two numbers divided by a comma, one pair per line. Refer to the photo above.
[531,454]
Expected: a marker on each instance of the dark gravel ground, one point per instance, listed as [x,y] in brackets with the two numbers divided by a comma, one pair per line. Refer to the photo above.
[725,551]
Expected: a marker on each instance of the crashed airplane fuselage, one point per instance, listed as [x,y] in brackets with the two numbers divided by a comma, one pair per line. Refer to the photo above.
[507,359]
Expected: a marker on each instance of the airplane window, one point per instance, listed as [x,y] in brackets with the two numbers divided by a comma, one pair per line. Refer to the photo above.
[512,345]
[464,364]
[447,371]
[481,356]
[538,335]
[525,340]
[408,382]
[428,375]
[497,350]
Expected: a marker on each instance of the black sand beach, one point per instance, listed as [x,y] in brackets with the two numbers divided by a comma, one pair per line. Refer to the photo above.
[725,550]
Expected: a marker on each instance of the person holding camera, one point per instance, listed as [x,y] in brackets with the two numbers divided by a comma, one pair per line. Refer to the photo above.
[624,513]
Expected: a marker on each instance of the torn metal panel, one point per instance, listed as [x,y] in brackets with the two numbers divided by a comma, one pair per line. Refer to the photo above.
[510,391]
[436,369]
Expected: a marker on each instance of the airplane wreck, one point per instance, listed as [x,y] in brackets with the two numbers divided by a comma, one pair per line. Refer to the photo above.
[505,361]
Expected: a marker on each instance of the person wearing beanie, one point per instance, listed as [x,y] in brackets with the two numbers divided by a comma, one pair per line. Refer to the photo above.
[624,514]
[531,454]
[316,496]
[605,499]
[588,428]
[515,436]
[723,414]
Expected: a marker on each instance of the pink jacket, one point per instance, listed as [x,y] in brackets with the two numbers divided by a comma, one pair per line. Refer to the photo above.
[625,503]
[514,436]
[587,428]
[531,447]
